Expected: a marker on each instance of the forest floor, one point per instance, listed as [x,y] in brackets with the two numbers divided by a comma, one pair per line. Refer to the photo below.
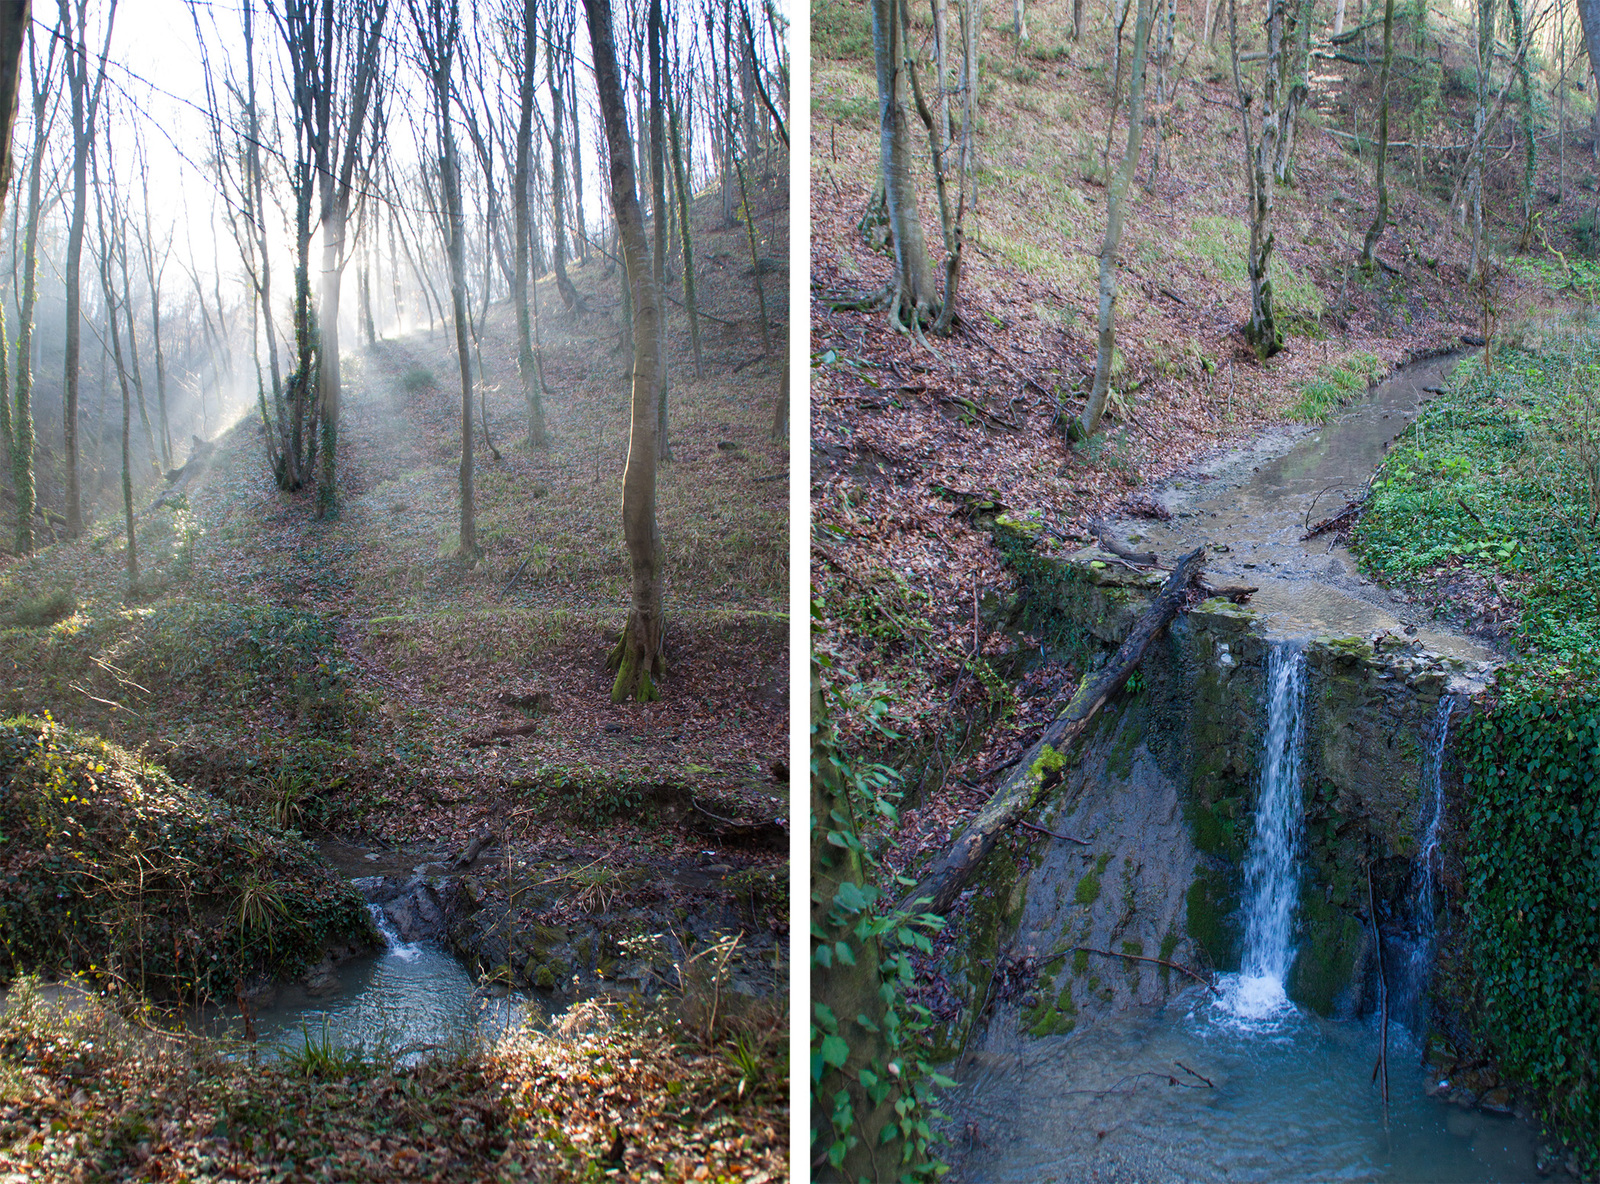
[911,444]
[354,678]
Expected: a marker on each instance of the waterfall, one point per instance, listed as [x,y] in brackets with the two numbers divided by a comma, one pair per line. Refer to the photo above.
[1433,813]
[1272,864]
[1413,987]
[404,950]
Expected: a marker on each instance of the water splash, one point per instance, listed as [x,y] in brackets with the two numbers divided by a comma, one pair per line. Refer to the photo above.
[1272,865]
[403,950]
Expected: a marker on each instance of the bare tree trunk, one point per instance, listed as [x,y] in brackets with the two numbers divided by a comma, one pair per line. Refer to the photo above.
[1262,330]
[109,248]
[1116,199]
[661,214]
[1530,148]
[569,294]
[20,418]
[913,297]
[1380,218]
[1019,22]
[689,303]
[528,366]
[15,22]
[1480,123]
[336,189]
[438,30]
[1297,87]
[638,655]
[580,224]
[85,103]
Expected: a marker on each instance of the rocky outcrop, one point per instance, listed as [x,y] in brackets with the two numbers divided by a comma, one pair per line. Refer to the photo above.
[1165,793]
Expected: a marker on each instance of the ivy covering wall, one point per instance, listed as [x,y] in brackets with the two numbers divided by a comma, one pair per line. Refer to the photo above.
[1532,767]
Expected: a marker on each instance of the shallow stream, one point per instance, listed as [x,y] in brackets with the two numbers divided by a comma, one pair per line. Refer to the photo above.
[407,1000]
[1240,1084]
[1291,1098]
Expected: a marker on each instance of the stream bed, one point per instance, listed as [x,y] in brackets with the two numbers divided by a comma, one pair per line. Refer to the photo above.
[407,1000]
[1240,1084]
[1291,1098]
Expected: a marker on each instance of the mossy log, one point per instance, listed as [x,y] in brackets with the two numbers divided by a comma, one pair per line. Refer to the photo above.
[1041,767]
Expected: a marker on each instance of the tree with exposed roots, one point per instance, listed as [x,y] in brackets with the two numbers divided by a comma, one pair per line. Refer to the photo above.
[637,658]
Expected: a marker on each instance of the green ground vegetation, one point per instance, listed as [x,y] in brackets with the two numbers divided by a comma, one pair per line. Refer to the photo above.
[1500,478]
[111,870]
[1497,487]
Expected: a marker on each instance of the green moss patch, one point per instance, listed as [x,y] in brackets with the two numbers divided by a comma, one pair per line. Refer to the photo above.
[111,869]
[1088,889]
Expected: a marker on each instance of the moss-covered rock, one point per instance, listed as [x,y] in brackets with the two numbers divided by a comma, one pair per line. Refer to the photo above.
[111,869]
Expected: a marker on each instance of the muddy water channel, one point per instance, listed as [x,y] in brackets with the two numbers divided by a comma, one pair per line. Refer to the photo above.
[1251,506]
[1242,1080]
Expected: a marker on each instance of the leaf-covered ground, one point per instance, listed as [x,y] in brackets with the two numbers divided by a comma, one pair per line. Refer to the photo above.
[354,678]
[85,1095]
[917,451]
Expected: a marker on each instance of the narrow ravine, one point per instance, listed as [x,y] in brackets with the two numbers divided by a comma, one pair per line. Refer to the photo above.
[1240,1081]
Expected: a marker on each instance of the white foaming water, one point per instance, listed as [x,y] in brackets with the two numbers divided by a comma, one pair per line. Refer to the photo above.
[1433,805]
[1272,865]
[395,948]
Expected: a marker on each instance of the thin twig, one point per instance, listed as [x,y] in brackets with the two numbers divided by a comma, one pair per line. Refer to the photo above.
[1159,962]
[1053,834]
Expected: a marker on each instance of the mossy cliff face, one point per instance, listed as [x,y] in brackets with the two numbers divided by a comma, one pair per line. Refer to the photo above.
[1165,791]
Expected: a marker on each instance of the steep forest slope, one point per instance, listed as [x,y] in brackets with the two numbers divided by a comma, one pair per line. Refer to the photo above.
[915,451]
[354,680]
[942,475]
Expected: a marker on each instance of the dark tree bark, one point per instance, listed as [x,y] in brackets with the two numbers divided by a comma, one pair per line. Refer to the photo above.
[15,18]
[638,656]
[339,152]
[19,418]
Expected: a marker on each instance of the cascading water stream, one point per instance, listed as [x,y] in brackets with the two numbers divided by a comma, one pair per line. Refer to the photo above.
[1272,864]
[1413,991]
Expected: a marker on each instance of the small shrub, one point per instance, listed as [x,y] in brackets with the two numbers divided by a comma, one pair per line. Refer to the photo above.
[418,378]
[45,609]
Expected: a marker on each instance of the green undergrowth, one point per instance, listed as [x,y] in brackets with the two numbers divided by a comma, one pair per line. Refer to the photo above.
[1532,766]
[1494,492]
[111,870]
[1497,484]
[1335,385]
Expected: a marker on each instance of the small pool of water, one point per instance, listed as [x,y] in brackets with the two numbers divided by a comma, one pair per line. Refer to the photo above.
[409,1000]
[1291,1097]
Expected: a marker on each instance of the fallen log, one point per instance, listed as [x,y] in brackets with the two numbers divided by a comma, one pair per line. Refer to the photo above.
[1041,767]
